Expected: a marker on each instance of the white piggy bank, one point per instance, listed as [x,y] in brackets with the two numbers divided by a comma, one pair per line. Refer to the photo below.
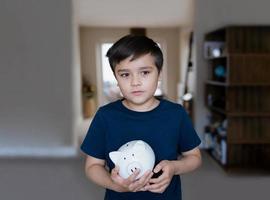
[133,155]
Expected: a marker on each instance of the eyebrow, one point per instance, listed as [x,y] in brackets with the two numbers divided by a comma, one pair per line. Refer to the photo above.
[141,68]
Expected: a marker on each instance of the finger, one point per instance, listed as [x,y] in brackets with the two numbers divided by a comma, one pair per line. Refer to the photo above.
[115,171]
[133,176]
[146,182]
[159,179]
[142,189]
[117,178]
[159,189]
[159,167]
[157,185]
[143,180]
[138,184]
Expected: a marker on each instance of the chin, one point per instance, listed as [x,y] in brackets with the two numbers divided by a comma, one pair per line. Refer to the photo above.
[139,101]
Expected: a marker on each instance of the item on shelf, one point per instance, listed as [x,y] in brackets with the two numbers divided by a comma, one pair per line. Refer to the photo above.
[88,100]
[219,150]
[220,73]
[208,139]
[223,146]
[209,99]
[219,103]
[213,49]
[222,132]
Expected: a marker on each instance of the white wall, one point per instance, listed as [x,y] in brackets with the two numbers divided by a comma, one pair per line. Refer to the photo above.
[77,112]
[184,37]
[210,15]
[35,75]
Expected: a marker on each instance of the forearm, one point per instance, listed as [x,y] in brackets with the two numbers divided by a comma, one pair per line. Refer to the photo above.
[99,175]
[186,164]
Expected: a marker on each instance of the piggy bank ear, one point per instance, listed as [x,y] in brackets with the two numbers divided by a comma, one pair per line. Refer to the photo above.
[139,145]
[114,156]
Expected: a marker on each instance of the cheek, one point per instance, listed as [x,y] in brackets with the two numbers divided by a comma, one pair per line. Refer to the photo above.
[123,86]
[121,83]
[152,83]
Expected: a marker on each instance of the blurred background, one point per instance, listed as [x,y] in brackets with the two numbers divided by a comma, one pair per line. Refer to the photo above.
[54,76]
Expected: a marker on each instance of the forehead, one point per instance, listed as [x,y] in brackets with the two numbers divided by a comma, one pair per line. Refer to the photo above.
[146,60]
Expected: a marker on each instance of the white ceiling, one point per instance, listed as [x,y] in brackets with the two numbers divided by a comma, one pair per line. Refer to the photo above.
[132,13]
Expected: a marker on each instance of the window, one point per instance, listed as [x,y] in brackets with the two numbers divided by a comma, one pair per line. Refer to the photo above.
[111,91]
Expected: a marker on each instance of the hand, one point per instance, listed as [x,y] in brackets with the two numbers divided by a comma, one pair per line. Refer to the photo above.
[131,184]
[159,185]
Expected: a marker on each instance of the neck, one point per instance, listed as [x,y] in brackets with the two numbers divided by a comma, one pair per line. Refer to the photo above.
[147,106]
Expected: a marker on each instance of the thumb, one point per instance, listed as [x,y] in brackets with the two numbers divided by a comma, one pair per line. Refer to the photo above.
[115,170]
[159,166]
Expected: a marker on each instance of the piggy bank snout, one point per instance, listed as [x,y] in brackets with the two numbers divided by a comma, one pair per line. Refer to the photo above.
[132,167]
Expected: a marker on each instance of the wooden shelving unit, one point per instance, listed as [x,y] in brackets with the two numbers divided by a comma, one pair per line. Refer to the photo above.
[237,95]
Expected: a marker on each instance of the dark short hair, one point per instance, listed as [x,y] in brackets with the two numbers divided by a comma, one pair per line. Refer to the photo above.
[135,46]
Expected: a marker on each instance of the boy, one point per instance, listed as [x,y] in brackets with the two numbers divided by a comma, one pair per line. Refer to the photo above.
[136,62]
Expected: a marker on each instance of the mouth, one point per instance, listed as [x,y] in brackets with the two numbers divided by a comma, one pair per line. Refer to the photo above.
[137,93]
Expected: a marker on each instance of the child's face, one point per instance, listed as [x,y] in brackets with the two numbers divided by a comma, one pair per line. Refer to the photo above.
[137,79]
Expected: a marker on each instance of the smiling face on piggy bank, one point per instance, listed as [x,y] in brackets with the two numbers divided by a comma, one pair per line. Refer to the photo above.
[133,155]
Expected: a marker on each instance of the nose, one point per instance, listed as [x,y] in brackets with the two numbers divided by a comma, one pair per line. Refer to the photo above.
[132,167]
[136,81]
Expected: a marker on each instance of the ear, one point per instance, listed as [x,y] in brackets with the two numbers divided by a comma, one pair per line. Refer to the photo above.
[160,76]
[139,145]
[114,156]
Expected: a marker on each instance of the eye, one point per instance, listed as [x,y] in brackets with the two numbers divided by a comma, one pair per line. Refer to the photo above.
[124,158]
[133,154]
[124,75]
[144,73]
[127,145]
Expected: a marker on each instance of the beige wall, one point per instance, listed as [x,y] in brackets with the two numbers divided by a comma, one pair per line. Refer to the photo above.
[169,36]
[90,37]
[212,14]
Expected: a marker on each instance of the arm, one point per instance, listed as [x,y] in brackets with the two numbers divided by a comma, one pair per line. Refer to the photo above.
[95,171]
[189,162]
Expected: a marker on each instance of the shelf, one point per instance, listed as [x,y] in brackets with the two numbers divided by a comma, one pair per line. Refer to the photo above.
[216,83]
[239,114]
[250,141]
[248,84]
[238,97]
[218,57]
[226,84]
[249,54]
[248,114]
[218,110]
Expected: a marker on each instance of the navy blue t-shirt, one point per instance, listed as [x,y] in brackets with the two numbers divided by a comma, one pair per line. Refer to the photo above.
[167,129]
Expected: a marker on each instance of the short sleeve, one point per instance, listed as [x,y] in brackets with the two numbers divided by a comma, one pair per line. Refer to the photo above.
[188,139]
[94,141]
